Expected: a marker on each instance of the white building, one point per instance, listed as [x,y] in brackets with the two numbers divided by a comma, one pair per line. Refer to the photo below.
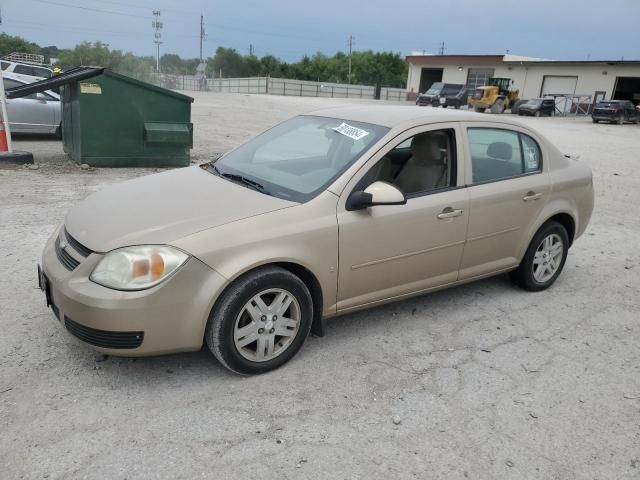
[533,77]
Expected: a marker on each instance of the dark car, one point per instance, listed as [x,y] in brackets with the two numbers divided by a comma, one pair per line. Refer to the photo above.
[537,107]
[457,99]
[618,111]
[438,93]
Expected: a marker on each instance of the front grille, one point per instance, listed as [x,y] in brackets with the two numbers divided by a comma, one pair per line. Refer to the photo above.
[67,260]
[104,338]
[77,246]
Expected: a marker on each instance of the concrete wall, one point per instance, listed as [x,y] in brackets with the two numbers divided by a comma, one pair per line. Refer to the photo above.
[528,77]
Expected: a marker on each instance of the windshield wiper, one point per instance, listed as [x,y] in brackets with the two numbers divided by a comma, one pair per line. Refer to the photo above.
[240,179]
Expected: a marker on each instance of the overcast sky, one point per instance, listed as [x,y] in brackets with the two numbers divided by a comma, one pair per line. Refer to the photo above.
[556,29]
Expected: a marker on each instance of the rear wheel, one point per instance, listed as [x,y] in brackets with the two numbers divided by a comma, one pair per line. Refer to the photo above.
[498,106]
[537,114]
[479,109]
[621,119]
[544,259]
[515,107]
[260,321]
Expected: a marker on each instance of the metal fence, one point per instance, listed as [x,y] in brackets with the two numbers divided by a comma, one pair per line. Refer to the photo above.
[277,86]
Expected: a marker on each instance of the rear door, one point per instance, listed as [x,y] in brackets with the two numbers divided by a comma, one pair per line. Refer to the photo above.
[508,187]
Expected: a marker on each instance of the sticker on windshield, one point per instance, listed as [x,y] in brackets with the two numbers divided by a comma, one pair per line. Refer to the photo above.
[351,132]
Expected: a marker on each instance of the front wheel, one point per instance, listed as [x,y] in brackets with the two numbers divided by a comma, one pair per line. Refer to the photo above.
[497,107]
[544,259]
[537,114]
[621,119]
[260,321]
[479,109]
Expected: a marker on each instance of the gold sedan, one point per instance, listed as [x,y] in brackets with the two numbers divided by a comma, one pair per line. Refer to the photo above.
[326,213]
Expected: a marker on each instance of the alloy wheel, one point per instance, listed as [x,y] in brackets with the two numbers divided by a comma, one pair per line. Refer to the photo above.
[548,258]
[267,325]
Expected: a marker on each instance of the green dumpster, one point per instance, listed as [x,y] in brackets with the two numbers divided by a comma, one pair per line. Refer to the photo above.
[116,121]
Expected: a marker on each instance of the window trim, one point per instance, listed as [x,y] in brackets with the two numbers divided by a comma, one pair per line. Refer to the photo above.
[519,133]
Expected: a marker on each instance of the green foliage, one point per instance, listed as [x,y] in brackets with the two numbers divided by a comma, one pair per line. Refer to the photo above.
[369,68]
[10,44]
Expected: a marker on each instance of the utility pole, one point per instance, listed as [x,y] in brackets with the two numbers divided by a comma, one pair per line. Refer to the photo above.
[157,26]
[443,47]
[251,49]
[351,39]
[201,35]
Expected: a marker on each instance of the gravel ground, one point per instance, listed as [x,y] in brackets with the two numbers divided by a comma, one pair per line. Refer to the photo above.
[483,381]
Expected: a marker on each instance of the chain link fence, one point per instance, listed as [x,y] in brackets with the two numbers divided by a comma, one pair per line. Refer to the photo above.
[277,86]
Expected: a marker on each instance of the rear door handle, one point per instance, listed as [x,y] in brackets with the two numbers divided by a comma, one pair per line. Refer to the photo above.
[531,195]
[449,213]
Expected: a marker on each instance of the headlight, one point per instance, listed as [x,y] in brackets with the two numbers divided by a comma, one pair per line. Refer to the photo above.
[137,268]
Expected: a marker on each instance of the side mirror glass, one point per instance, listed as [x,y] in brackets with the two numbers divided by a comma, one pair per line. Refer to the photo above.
[378,193]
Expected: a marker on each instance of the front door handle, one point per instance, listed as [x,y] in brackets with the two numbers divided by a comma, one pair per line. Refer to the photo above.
[449,213]
[531,195]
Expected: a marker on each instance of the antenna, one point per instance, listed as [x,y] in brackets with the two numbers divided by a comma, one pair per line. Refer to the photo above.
[156,24]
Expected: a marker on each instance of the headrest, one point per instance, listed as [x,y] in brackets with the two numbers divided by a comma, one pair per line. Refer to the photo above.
[500,150]
[426,148]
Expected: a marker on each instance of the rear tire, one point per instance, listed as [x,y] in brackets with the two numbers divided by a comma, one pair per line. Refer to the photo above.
[544,259]
[621,119]
[248,304]
[537,114]
[479,109]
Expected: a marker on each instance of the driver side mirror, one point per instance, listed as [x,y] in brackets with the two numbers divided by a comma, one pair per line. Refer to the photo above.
[378,193]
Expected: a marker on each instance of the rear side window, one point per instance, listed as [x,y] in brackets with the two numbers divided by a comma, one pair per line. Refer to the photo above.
[498,153]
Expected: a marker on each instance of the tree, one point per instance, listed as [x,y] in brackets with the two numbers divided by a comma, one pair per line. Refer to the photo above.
[10,44]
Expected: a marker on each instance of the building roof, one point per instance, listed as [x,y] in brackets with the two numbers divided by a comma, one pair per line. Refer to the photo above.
[479,60]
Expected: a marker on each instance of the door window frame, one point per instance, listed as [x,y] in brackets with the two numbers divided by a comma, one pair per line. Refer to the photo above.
[510,128]
[460,163]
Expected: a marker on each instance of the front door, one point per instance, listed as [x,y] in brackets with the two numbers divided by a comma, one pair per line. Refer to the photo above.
[508,187]
[389,251]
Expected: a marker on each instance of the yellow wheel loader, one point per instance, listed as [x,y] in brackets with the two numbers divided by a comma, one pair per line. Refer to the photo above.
[497,95]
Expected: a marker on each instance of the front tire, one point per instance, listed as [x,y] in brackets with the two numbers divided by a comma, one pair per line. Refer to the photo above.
[621,119]
[479,109]
[544,259]
[260,321]
[497,107]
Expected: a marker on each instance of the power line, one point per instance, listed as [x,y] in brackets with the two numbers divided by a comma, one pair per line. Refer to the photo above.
[443,48]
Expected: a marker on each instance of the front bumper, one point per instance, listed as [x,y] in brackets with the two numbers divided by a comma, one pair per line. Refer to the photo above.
[603,117]
[170,317]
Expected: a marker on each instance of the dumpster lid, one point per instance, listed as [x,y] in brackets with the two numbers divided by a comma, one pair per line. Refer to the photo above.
[70,76]
[149,86]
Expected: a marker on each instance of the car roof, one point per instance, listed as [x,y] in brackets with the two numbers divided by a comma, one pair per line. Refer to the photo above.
[394,115]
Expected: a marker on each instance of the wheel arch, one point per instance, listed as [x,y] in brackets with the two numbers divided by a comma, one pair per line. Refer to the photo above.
[563,216]
[303,273]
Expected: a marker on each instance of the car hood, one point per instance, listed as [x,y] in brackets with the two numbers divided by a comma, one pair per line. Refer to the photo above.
[160,208]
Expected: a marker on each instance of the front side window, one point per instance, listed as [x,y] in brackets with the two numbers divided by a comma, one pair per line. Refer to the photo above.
[8,83]
[498,153]
[421,164]
[299,158]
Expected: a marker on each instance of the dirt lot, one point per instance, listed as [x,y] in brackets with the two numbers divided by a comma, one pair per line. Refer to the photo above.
[483,381]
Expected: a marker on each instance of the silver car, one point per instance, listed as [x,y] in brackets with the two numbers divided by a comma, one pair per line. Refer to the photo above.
[36,113]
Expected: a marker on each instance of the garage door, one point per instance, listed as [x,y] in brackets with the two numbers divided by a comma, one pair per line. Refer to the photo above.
[552,85]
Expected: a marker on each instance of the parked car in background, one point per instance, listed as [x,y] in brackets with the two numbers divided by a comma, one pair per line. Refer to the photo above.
[438,93]
[455,100]
[326,213]
[537,107]
[615,111]
[26,72]
[38,113]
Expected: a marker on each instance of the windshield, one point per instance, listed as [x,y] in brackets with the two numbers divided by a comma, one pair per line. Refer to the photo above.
[299,158]
[434,89]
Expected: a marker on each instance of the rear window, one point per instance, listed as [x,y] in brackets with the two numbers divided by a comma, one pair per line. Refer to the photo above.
[498,153]
[23,70]
[608,104]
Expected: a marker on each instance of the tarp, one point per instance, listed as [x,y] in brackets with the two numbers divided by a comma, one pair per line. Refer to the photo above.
[70,76]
